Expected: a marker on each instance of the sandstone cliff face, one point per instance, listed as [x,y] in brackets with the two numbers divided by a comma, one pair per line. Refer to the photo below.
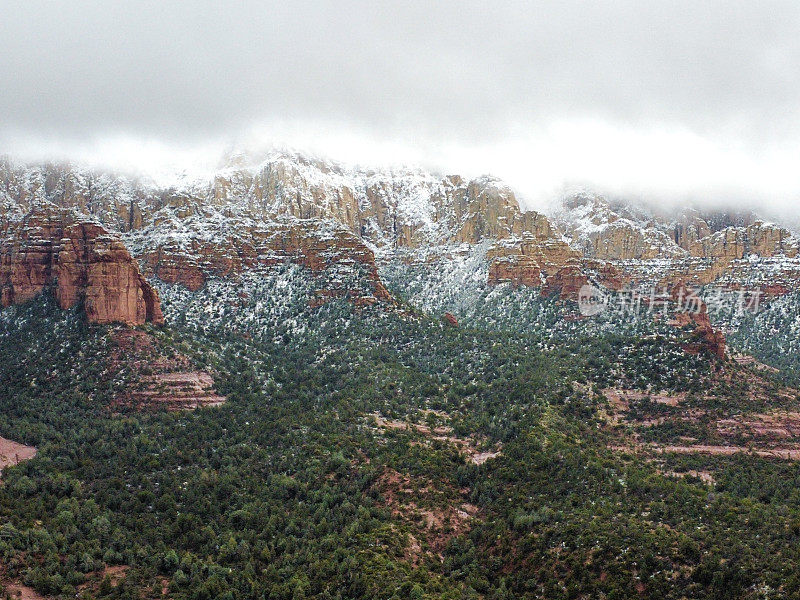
[528,260]
[613,231]
[548,253]
[81,262]
[405,209]
[688,229]
[395,211]
[117,201]
[623,240]
[288,210]
[607,232]
[735,243]
[693,311]
[193,252]
[550,263]
[666,248]
[300,188]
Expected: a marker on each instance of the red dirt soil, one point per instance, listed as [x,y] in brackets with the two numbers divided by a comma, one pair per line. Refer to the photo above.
[772,432]
[467,446]
[13,453]
[22,592]
[436,523]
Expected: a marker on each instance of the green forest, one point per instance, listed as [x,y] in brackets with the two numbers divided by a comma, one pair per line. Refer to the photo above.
[296,487]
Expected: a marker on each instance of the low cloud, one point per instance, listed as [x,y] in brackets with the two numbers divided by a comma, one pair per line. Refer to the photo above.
[679,102]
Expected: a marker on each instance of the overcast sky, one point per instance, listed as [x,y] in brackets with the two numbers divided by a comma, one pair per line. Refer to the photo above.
[673,100]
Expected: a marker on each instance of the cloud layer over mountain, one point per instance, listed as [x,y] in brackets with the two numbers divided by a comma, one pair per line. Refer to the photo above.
[673,100]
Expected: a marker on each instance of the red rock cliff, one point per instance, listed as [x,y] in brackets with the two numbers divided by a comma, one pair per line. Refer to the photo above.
[694,311]
[81,261]
[196,254]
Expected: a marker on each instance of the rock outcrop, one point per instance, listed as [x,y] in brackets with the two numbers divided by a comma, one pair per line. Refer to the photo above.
[81,262]
[283,202]
[158,376]
[691,310]
[201,248]
[530,258]
[734,243]
[688,229]
[450,319]
[550,263]
[606,231]
[666,248]
[388,210]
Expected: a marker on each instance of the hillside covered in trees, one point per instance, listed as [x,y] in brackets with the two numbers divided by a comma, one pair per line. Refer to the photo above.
[366,453]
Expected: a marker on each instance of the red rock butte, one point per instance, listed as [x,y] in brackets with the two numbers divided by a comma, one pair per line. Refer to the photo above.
[80,262]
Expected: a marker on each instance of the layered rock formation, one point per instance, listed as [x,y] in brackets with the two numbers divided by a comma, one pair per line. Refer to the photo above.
[529,259]
[547,260]
[201,248]
[288,208]
[387,210]
[251,214]
[735,243]
[693,311]
[157,376]
[688,229]
[736,249]
[81,262]
[118,202]
[615,231]
[605,232]
[394,209]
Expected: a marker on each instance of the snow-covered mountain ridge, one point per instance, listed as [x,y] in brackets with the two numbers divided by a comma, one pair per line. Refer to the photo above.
[220,224]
